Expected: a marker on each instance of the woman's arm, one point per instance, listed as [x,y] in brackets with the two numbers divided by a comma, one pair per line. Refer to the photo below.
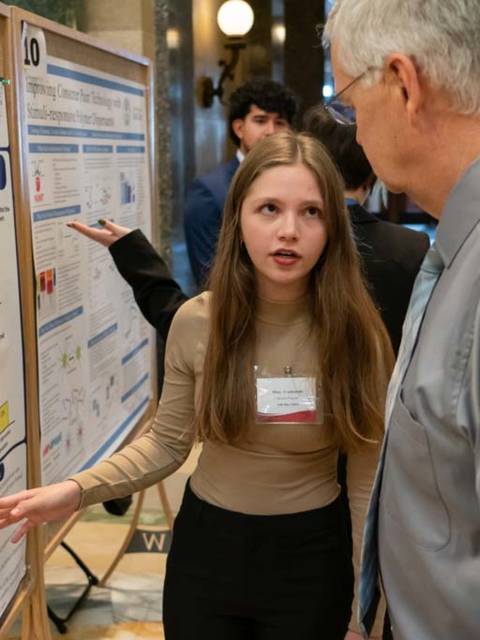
[145,461]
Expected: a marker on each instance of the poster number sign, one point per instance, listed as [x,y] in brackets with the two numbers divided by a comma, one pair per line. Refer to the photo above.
[34,51]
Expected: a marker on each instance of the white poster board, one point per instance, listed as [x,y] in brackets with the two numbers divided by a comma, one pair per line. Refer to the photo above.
[13,459]
[87,158]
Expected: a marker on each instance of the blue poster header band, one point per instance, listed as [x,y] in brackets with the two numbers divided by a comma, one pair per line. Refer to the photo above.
[101,336]
[100,453]
[97,148]
[135,387]
[132,149]
[72,132]
[40,216]
[134,351]
[54,324]
[40,147]
[55,70]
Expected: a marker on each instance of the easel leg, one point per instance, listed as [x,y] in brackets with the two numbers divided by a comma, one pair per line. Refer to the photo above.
[35,625]
[133,525]
[126,542]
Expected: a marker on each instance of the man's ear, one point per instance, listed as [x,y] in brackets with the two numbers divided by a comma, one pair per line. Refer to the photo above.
[404,76]
[238,126]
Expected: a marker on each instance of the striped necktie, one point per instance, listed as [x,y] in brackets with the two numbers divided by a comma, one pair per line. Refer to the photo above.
[369,592]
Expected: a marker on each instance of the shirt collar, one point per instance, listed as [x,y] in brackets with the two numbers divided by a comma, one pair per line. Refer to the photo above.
[240,156]
[460,214]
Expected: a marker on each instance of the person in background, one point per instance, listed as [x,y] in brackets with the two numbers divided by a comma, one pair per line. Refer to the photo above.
[391,254]
[260,546]
[410,71]
[257,109]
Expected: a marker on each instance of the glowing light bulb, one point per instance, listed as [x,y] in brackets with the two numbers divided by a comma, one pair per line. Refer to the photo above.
[235,18]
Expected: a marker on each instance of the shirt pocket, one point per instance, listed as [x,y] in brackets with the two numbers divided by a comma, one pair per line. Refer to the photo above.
[410,494]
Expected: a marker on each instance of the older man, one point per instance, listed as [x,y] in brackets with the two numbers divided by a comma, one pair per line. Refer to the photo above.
[411,71]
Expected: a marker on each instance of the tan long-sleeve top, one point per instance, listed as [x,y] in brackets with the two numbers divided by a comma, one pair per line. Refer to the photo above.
[276,469]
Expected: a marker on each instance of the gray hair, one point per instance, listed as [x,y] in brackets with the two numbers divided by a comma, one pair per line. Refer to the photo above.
[442,36]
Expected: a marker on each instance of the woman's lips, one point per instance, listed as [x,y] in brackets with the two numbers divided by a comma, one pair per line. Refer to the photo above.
[285,258]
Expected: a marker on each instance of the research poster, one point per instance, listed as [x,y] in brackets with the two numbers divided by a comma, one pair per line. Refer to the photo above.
[87,160]
[13,462]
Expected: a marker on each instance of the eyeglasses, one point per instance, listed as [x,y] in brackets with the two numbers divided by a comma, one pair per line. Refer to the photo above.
[342,113]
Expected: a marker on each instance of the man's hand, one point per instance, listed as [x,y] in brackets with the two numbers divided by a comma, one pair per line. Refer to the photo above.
[107,235]
[39,505]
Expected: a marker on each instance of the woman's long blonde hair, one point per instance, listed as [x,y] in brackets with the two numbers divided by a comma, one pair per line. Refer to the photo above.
[354,351]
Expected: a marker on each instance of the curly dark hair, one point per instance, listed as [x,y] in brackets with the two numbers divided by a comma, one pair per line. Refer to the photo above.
[340,141]
[268,95]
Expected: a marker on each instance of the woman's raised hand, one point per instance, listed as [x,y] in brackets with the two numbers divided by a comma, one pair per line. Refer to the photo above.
[36,506]
[107,235]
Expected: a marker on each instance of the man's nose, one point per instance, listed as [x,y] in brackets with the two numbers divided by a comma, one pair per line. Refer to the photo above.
[269,127]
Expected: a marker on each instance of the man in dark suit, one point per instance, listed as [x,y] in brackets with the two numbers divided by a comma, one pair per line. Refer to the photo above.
[257,109]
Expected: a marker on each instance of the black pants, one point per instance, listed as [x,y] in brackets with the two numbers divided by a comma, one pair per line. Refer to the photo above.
[232,576]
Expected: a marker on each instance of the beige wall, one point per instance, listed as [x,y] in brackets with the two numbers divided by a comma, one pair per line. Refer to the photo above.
[211,131]
[126,24]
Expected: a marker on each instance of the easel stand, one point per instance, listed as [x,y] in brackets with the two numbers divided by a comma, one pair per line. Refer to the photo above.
[92,580]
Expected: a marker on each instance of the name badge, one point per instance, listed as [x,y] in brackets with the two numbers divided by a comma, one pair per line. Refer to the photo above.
[287,399]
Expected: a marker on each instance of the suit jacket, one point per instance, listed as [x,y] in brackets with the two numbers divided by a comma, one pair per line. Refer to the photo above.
[157,294]
[203,216]
[391,257]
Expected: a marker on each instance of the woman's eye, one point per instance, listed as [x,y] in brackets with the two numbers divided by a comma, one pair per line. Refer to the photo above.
[313,212]
[269,208]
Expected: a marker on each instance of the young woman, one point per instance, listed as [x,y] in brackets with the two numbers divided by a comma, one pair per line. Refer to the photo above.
[279,366]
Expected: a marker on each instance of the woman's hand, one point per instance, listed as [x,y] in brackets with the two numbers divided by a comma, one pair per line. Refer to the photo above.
[109,233]
[36,506]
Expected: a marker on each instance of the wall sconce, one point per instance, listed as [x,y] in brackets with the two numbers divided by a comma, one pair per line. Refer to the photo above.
[235,19]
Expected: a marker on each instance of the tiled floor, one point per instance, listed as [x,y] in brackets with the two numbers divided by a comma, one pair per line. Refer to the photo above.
[130,606]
